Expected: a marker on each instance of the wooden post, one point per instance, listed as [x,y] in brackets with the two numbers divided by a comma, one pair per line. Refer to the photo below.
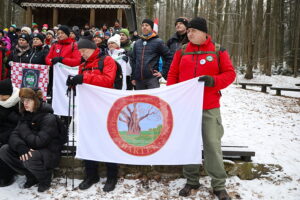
[29,16]
[92,17]
[119,15]
[55,17]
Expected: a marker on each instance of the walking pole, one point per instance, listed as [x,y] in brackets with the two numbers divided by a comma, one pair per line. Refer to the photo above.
[73,133]
[68,129]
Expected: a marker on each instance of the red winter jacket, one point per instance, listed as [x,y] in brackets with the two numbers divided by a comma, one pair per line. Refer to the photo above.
[66,49]
[191,66]
[94,76]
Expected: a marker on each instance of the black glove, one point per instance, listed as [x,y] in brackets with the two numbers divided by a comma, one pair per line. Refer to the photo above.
[22,149]
[208,80]
[74,80]
[125,58]
[56,60]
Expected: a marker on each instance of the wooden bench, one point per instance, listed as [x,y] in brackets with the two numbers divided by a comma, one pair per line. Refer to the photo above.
[229,152]
[278,90]
[262,85]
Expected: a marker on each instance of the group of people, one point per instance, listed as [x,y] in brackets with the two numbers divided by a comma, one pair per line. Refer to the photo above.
[29,149]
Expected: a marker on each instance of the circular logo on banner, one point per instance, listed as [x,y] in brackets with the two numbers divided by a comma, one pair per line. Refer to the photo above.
[209,58]
[202,61]
[30,78]
[140,125]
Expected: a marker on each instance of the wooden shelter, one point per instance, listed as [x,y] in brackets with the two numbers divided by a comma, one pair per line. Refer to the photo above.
[79,12]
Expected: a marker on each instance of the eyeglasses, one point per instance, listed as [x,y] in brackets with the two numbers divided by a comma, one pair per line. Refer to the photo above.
[26,100]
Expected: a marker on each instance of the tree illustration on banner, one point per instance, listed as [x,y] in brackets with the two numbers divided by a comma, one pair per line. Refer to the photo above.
[140,123]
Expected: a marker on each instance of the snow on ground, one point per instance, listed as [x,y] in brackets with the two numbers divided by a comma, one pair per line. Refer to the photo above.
[268,124]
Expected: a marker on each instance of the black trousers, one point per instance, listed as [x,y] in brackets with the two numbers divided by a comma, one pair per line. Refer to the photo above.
[33,166]
[5,171]
[147,83]
[91,169]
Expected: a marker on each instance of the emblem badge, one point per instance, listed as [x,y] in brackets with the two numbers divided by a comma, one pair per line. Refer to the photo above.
[144,43]
[209,58]
[57,50]
[202,61]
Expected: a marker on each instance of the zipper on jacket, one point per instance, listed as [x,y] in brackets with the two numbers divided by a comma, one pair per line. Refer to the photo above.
[142,78]
[195,72]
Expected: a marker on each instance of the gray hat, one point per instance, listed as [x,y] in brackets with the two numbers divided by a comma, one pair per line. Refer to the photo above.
[86,44]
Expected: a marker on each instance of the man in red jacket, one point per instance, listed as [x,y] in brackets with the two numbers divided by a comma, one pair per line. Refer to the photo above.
[65,51]
[90,73]
[199,58]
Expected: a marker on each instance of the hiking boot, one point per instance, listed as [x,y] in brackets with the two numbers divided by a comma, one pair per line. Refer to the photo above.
[110,184]
[31,181]
[186,191]
[87,183]
[43,187]
[222,195]
[6,181]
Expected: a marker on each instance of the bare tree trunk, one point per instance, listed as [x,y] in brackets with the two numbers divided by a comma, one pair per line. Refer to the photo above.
[297,35]
[249,72]
[196,8]
[267,54]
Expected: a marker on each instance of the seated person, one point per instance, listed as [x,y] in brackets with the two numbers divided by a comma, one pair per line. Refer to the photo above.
[34,146]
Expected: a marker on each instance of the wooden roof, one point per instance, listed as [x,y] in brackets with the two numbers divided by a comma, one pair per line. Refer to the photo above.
[104,4]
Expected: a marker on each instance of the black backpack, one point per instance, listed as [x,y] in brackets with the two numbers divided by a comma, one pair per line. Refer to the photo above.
[118,83]
[62,131]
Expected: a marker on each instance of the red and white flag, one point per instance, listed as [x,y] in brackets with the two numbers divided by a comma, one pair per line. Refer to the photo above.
[155,27]
[30,75]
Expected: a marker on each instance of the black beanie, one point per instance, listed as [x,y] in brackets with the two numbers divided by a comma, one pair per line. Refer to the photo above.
[25,37]
[6,87]
[198,23]
[65,29]
[39,35]
[148,21]
[86,44]
[182,20]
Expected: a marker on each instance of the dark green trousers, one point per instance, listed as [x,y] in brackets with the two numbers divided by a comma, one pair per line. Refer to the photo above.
[212,132]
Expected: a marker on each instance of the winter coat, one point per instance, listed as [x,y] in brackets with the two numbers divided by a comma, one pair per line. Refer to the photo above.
[24,58]
[190,66]
[120,56]
[38,55]
[66,49]
[13,38]
[9,116]
[92,75]
[7,42]
[145,57]
[175,42]
[38,131]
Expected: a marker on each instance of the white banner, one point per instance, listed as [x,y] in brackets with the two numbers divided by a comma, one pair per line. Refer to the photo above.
[146,127]
[60,101]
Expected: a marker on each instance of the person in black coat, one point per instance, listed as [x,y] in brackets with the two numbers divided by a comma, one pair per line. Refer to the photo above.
[39,51]
[21,52]
[34,147]
[9,116]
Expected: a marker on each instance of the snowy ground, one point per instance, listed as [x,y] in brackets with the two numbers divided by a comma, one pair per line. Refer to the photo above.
[268,124]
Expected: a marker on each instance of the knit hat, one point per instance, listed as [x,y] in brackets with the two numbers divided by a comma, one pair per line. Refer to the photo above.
[99,34]
[55,28]
[148,21]
[183,20]
[27,29]
[125,31]
[50,32]
[39,35]
[65,29]
[86,44]
[115,39]
[25,37]
[198,23]
[13,25]
[34,25]
[45,26]
[107,33]
[6,87]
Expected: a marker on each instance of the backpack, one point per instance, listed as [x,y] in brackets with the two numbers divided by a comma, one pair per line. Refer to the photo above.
[118,82]
[62,131]
[216,52]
